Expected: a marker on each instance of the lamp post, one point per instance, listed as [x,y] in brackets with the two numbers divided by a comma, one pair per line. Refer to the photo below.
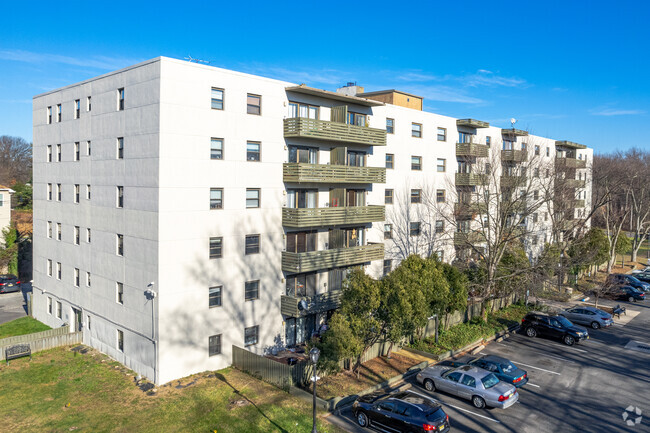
[314,353]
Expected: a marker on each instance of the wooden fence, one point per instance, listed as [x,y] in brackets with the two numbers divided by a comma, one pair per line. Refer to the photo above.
[9,341]
[262,367]
[43,340]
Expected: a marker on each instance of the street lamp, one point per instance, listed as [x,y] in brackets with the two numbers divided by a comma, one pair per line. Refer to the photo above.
[314,353]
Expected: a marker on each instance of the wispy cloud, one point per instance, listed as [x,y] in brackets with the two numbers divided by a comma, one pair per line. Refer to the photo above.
[329,77]
[417,77]
[489,79]
[94,62]
[443,94]
[617,112]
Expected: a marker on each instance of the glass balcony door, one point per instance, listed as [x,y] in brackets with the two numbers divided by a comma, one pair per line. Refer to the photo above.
[307,155]
[302,199]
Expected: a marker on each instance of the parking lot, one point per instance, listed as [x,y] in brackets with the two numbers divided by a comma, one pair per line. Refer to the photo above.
[584,388]
[12,305]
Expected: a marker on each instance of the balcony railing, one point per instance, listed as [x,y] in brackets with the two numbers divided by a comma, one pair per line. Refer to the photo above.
[579,203]
[472,149]
[514,155]
[325,259]
[469,208]
[575,183]
[570,163]
[462,238]
[329,173]
[301,127]
[332,216]
[290,305]
[472,123]
[513,181]
[470,179]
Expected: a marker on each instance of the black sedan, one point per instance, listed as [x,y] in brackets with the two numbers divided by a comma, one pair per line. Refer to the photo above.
[628,293]
[403,412]
[9,283]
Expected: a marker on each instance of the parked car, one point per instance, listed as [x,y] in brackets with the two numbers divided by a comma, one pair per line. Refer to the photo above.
[644,277]
[480,386]
[536,323]
[627,293]
[9,283]
[406,411]
[590,316]
[618,280]
[502,368]
[639,271]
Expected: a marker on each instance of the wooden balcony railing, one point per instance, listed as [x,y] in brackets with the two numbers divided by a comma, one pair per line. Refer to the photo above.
[332,216]
[472,149]
[570,163]
[300,127]
[470,179]
[329,173]
[325,259]
[514,155]
[290,305]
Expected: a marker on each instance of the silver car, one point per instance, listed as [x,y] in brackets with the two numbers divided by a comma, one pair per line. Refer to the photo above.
[472,383]
[590,316]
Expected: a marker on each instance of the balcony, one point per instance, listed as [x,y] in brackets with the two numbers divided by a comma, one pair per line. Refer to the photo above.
[290,305]
[472,123]
[471,208]
[575,183]
[332,216]
[301,127]
[462,238]
[512,181]
[514,155]
[579,203]
[472,149]
[325,259]
[514,132]
[569,144]
[570,163]
[470,179]
[299,172]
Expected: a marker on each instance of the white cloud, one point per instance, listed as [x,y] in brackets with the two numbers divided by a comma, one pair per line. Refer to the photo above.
[617,112]
[489,79]
[443,94]
[94,62]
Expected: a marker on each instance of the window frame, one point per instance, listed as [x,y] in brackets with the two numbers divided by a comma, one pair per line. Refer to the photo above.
[390,129]
[120,340]
[441,198]
[444,133]
[388,234]
[218,202]
[416,196]
[217,249]
[221,101]
[212,148]
[119,148]
[77,108]
[259,106]
[77,151]
[77,235]
[258,199]
[215,293]
[416,163]
[251,294]
[390,162]
[415,228]
[119,293]
[120,99]
[214,345]
[389,198]
[250,153]
[444,165]
[415,132]
[119,244]
[119,197]
[256,329]
[248,252]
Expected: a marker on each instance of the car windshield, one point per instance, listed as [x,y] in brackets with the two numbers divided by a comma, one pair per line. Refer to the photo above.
[489,381]
[436,415]
[508,368]
[564,321]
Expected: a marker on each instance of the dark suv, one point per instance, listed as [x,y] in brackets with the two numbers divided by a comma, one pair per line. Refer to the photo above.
[406,411]
[618,280]
[536,323]
[9,283]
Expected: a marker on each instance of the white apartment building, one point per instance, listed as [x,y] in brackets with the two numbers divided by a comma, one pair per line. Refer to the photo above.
[5,207]
[180,209]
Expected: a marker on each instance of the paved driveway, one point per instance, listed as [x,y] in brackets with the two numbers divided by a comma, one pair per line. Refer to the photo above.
[12,306]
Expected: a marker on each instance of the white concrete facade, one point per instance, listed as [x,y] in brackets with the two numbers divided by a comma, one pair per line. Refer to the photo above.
[166,174]
[5,207]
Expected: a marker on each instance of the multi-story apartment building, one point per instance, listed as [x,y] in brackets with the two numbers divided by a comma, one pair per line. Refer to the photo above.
[180,209]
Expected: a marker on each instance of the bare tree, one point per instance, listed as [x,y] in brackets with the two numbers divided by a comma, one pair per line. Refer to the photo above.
[15,160]
[637,162]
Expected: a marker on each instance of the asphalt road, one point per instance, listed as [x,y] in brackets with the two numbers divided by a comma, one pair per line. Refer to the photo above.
[584,388]
[12,305]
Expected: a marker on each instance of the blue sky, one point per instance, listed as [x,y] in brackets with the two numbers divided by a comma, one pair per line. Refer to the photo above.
[574,70]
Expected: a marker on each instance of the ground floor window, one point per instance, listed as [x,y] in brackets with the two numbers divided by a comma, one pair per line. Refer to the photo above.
[214,345]
[298,330]
[251,335]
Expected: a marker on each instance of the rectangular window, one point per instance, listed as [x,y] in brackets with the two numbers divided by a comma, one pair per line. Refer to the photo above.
[252,198]
[49,153]
[88,322]
[49,305]
[58,113]
[440,226]
[49,229]
[119,196]
[301,242]
[390,126]
[59,273]
[252,290]
[442,165]
[120,99]
[388,196]
[77,194]
[488,141]
[216,148]
[214,345]
[536,150]
[87,279]
[76,277]
[76,151]
[388,231]
[442,134]
[49,115]
[416,196]
[441,196]
[416,163]
[252,244]
[76,235]
[119,244]
[534,218]
[416,130]
[88,235]
[548,151]
[87,192]
[390,160]
[77,108]
[49,191]
[58,231]
[58,192]
[119,293]
[414,229]
[216,247]
[536,172]
[88,148]
[214,296]
[49,267]
[253,150]
[251,335]
[59,309]
[120,340]
[253,104]
[88,104]
[120,148]
[216,101]
[388,266]
[216,198]
[58,153]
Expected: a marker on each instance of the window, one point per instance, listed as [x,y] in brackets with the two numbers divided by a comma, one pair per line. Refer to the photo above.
[301,242]
[77,108]
[49,229]
[535,218]
[468,380]
[49,153]
[214,296]
[548,151]
[49,191]
[58,192]
[388,231]
[357,119]
[252,244]
[58,270]
[120,196]
[120,244]
[216,148]
[214,345]
[88,322]
[216,99]
[390,126]
[253,104]
[59,309]
[120,340]
[88,235]
[76,151]
[120,99]
[488,141]
[119,293]
[442,165]
[216,198]
[49,267]
[536,195]
[303,154]
[87,279]
[416,196]
[87,192]
[88,104]
[253,150]
[120,148]
[76,235]
[390,160]
[58,231]
[49,305]
[76,277]
[252,198]
[58,153]
[216,247]
[536,172]
[416,163]
[303,110]
[388,266]
[442,134]
[416,130]
[388,196]
[536,150]
[58,113]
[88,148]
[414,229]
[49,115]
[441,196]
[77,194]
[251,335]
[252,290]
[440,226]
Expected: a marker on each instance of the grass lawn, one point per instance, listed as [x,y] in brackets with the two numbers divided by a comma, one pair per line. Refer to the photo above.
[22,326]
[61,391]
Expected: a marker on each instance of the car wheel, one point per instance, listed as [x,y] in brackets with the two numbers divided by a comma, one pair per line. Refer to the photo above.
[595,325]
[429,385]
[630,299]
[362,419]
[569,340]
[531,332]
[478,402]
